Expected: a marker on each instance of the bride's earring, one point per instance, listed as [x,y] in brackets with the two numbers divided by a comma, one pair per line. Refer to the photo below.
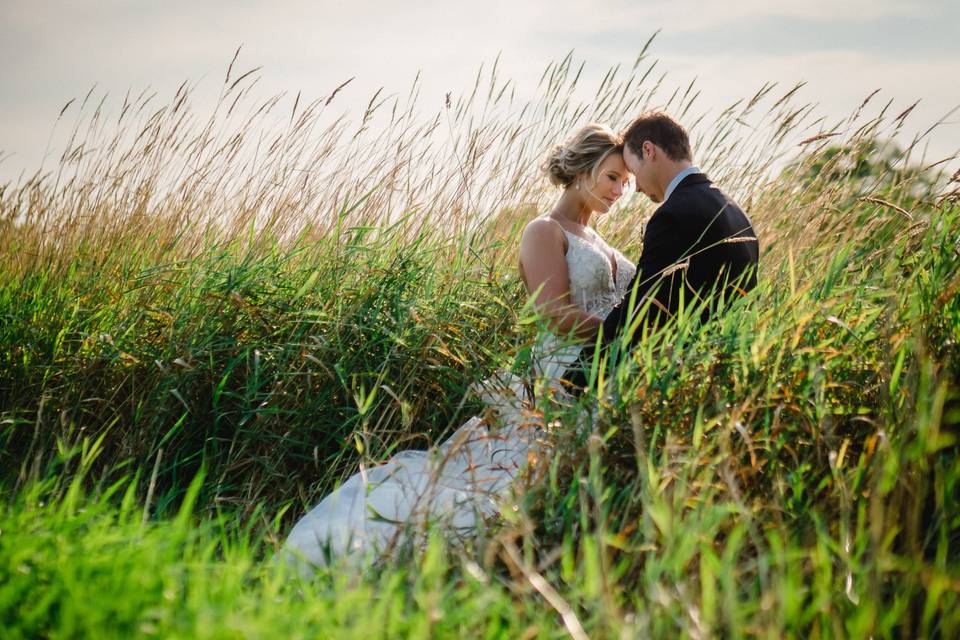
[577,185]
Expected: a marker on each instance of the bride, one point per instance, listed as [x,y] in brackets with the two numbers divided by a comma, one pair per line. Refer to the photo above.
[576,278]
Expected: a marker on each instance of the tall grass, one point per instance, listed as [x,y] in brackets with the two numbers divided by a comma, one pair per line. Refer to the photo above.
[208,322]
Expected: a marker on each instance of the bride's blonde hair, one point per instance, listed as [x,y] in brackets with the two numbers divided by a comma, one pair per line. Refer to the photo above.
[581,153]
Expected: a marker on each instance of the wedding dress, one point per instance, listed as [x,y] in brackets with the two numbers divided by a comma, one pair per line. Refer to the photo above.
[460,482]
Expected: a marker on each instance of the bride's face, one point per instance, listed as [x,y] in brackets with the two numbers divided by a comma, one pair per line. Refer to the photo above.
[602,193]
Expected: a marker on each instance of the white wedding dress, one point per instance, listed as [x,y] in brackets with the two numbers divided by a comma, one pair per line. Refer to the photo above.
[458,483]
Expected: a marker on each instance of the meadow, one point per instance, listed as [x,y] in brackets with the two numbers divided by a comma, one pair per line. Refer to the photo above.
[207,321]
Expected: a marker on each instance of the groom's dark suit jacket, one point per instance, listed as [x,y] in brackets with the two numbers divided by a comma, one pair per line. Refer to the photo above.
[698,244]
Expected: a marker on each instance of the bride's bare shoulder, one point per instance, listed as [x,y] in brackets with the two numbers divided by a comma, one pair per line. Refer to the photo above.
[542,230]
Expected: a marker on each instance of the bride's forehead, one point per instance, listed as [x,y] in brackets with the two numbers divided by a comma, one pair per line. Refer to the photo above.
[614,162]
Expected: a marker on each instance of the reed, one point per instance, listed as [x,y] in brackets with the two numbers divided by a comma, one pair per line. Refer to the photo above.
[210,320]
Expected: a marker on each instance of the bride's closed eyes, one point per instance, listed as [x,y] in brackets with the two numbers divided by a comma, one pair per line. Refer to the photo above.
[613,176]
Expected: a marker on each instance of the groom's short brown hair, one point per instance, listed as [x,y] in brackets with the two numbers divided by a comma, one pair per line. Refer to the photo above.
[660,129]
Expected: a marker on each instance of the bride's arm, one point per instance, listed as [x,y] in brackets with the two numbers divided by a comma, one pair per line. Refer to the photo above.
[543,266]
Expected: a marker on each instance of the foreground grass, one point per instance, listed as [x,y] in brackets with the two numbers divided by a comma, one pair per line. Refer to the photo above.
[77,567]
[175,391]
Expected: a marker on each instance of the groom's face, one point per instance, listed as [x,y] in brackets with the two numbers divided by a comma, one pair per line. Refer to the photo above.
[643,174]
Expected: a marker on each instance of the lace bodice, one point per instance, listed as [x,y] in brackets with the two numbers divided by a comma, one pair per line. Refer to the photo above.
[594,287]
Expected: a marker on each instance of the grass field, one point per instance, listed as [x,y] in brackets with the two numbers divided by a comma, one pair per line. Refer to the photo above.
[207,322]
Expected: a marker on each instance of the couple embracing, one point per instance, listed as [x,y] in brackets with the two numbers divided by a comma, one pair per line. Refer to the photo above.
[698,247]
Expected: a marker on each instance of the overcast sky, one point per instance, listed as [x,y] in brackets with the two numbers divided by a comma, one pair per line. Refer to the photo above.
[55,50]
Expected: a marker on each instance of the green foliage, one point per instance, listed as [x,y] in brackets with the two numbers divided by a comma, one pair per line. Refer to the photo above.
[95,568]
[259,366]
[176,389]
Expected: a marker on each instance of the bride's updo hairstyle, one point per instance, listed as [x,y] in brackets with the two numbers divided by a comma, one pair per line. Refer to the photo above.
[583,152]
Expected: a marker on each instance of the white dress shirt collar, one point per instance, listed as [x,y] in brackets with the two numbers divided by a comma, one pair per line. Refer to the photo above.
[677,179]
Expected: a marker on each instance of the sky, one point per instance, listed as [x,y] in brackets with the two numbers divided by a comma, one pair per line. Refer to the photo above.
[844,50]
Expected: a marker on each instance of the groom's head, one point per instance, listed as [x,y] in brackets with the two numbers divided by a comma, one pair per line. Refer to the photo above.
[656,148]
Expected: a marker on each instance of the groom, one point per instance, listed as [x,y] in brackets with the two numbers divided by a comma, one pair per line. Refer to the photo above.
[698,246]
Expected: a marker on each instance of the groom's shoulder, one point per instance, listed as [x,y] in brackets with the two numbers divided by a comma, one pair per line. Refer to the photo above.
[695,186]
[697,192]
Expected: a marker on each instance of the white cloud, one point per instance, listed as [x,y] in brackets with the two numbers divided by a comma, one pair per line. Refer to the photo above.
[678,17]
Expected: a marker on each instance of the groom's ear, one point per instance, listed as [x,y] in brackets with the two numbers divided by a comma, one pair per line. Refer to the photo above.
[643,152]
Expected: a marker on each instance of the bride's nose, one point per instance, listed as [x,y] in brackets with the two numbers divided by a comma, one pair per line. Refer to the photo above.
[618,189]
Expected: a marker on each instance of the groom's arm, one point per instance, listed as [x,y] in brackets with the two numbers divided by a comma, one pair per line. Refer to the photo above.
[664,246]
